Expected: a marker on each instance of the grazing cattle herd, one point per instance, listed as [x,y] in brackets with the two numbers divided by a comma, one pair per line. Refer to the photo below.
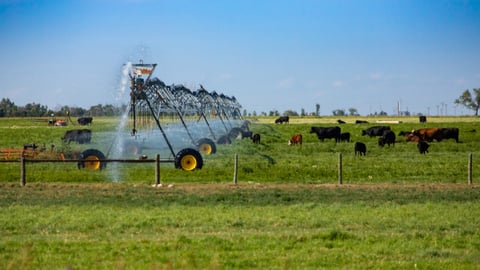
[386,136]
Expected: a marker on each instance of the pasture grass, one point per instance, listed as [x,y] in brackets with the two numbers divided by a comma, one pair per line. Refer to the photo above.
[397,209]
[214,226]
[271,161]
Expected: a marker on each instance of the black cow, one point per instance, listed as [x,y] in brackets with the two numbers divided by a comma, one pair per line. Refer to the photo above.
[327,133]
[361,122]
[282,119]
[375,131]
[360,148]
[78,135]
[388,137]
[30,146]
[345,137]
[449,133]
[423,147]
[340,121]
[83,121]
[256,138]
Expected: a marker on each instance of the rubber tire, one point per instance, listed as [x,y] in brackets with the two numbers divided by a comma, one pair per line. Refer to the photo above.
[91,159]
[235,133]
[188,159]
[206,146]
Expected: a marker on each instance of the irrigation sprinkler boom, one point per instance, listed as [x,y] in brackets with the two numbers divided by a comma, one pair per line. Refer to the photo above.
[158,98]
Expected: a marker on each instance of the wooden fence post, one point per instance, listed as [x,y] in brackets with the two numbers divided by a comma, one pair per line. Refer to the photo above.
[23,177]
[470,181]
[340,180]
[157,170]
[235,170]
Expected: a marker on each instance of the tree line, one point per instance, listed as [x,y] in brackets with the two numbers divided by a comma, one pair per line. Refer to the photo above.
[470,100]
[10,109]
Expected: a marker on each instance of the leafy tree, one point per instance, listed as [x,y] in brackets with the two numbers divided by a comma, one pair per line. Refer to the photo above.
[273,113]
[317,109]
[353,111]
[290,113]
[7,108]
[338,112]
[470,101]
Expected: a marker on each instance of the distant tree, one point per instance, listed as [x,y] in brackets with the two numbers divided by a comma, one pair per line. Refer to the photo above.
[470,101]
[274,113]
[33,109]
[381,113]
[7,108]
[303,112]
[338,112]
[317,109]
[353,111]
[290,113]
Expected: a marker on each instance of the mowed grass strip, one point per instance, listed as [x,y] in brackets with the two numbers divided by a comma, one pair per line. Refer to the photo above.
[218,226]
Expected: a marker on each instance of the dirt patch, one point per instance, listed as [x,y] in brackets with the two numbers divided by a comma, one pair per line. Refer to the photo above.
[219,187]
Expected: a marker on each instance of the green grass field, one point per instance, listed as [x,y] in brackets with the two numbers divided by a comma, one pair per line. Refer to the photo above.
[397,209]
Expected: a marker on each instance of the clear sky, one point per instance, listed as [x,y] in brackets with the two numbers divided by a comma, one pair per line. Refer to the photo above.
[370,55]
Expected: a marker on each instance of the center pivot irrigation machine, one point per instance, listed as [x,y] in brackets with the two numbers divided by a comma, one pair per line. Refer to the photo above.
[151,100]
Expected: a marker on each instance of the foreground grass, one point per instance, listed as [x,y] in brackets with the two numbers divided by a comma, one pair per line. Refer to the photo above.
[217,226]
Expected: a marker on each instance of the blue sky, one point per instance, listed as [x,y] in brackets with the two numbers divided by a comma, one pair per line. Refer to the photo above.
[279,55]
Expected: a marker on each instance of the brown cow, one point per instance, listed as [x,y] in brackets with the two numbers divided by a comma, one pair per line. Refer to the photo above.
[296,139]
[412,138]
[428,134]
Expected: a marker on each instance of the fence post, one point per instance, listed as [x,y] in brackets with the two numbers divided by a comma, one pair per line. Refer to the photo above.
[23,177]
[470,169]
[235,170]
[157,170]
[340,180]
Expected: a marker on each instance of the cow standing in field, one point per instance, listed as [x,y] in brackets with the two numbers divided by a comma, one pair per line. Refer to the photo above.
[361,122]
[412,138]
[256,138]
[388,138]
[327,133]
[360,149]
[282,119]
[83,121]
[438,134]
[296,139]
[422,147]
[375,131]
[427,134]
[449,133]
[78,135]
[345,137]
